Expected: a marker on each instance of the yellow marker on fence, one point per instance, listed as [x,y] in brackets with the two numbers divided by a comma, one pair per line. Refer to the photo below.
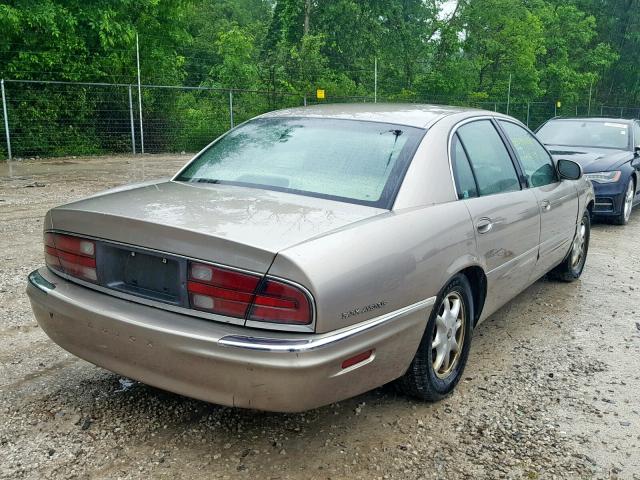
[558,104]
[320,94]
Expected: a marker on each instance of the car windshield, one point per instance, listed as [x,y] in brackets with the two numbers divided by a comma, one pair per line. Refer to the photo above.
[585,133]
[355,161]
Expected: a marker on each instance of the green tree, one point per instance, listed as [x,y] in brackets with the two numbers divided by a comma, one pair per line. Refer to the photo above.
[551,49]
[503,38]
[618,25]
[237,59]
[574,58]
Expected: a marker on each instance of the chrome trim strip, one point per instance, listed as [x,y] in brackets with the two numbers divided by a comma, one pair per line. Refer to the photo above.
[40,282]
[303,345]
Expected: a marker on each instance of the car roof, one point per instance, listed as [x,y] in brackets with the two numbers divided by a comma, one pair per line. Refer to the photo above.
[410,114]
[595,119]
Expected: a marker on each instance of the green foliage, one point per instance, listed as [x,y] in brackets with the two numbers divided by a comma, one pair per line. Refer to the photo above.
[236,66]
[618,27]
[573,58]
[503,38]
[550,49]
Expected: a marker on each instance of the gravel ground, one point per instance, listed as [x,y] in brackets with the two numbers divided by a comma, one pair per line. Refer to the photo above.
[551,389]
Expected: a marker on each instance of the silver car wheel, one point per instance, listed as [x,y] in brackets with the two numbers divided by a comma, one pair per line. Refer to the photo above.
[577,252]
[448,336]
[628,201]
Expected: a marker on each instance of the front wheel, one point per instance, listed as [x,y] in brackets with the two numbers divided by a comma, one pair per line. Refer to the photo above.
[571,268]
[627,205]
[442,355]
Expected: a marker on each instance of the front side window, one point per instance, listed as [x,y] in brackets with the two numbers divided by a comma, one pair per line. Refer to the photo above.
[586,133]
[354,161]
[535,161]
[489,158]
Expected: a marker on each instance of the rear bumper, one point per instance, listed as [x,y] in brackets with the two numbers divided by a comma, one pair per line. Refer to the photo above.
[223,363]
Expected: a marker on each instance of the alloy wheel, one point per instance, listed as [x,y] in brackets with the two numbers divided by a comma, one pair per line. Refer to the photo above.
[628,201]
[579,242]
[448,335]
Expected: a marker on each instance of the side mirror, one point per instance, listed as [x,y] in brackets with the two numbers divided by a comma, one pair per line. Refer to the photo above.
[569,170]
[636,151]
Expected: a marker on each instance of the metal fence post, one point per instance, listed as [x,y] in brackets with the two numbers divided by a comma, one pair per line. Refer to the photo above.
[133,131]
[601,110]
[304,100]
[231,107]
[139,94]
[509,95]
[621,111]
[6,120]
[375,79]
[528,108]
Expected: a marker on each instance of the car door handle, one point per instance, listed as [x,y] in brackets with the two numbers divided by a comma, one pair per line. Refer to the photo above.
[484,225]
[545,205]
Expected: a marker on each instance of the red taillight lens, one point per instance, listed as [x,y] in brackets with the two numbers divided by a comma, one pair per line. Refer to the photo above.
[74,256]
[280,302]
[218,290]
[227,292]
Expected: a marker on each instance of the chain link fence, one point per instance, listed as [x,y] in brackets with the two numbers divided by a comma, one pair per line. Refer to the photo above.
[46,118]
[57,118]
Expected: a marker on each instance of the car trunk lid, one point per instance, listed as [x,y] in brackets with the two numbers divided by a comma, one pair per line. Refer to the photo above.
[231,225]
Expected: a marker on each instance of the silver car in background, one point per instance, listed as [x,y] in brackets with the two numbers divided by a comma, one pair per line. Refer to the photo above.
[312,254]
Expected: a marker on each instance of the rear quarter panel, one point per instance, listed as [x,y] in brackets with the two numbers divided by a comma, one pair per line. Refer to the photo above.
[586,195]
[392,261]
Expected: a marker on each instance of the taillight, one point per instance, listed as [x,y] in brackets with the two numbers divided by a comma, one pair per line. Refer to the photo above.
[74,256]
[243,295]
[280,302]
[218,290]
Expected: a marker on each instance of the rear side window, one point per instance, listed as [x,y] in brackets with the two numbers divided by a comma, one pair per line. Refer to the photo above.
[536,162]
[353,161]
[489,158]
[465,179]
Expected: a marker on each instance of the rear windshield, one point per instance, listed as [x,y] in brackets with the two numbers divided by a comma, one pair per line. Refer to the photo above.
[355,161]
[585,133]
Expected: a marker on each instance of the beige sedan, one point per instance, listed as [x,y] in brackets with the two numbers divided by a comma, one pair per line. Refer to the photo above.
[312,254]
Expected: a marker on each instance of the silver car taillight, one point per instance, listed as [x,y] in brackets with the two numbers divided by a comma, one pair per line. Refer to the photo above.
[74,256]
[243,295]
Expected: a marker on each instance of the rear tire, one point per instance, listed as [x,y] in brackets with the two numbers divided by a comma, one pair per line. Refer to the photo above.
[572,266]
[434,373]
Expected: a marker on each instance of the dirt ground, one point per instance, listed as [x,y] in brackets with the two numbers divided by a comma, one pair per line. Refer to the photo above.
[551,390]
